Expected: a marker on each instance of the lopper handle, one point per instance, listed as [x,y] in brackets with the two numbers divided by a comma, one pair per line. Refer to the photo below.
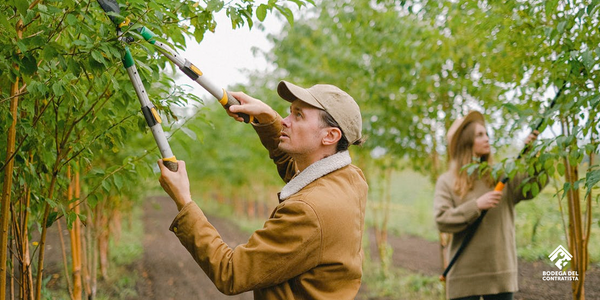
[500,186]
[233,101]
[171,164]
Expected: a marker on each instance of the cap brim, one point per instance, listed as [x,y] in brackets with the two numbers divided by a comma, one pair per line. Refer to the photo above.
[291,92]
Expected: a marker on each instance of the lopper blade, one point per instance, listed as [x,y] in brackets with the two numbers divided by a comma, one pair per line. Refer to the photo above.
[111,6]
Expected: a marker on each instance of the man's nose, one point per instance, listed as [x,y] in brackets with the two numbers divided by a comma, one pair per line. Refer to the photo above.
[286,121]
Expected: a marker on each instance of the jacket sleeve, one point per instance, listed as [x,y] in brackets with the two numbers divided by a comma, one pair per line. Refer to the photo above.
[515,187]
[448,217]
[269,136]
[288,245]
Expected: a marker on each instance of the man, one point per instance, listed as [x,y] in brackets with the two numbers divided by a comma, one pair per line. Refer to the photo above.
[310,247]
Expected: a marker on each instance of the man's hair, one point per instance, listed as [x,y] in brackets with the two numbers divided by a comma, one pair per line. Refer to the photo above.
[328,121]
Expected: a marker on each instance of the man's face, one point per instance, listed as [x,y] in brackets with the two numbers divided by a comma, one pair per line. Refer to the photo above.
[302,130]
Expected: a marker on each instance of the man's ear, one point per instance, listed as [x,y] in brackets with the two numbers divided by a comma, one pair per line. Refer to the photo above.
[333,135]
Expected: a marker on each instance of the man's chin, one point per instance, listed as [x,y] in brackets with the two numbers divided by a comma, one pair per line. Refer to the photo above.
[282,147]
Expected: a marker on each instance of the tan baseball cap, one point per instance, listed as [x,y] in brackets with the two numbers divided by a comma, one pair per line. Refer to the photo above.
[331,99]
[457,127]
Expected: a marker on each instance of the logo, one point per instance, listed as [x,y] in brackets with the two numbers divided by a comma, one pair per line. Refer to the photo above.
[563,256]
[560,257]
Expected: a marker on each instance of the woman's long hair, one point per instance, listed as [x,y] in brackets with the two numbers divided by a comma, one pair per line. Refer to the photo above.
[463,155]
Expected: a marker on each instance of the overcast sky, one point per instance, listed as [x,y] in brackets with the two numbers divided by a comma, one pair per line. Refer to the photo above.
[223,55]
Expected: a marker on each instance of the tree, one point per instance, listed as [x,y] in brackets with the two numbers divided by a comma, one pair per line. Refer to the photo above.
[72,105]
[414,66]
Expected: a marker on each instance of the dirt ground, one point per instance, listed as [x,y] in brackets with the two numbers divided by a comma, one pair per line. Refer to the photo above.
[170,272]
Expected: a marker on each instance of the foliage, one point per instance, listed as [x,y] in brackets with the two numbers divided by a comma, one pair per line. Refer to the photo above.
[415,66]
[61,65]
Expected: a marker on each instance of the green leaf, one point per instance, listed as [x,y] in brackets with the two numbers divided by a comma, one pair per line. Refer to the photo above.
[52,217]
[561,169]
[71,217]
[588,60]
[22,6]
[535,189]
[58,89]
[97,55]
[261,12]
[561,26]
[72,20]
[28,65]
[526,188]
[189,133]
[118,182]
[106,185]
[591,179]
[287,13]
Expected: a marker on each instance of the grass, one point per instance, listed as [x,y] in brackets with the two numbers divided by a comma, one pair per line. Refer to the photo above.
[121,283]
[397,283]
[539,230]
[540,227]
[411,208]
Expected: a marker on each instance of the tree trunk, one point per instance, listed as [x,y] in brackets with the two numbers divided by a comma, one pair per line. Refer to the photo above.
[575,236]
[75,235]
[102,238]
[575,232]
[42,244]
[7,187]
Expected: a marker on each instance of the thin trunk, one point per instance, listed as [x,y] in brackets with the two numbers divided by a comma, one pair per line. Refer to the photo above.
[74,234]
[102,239]
[13,269]
[42,244]
[64,256]
[7,187]
[575,226]
[85,273]
[26,274]
[93,234]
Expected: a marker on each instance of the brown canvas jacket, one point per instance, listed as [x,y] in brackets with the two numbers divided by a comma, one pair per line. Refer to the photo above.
[310,247]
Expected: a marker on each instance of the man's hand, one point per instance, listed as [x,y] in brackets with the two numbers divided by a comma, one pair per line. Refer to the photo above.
[489,200]
[176,184]
[252,107]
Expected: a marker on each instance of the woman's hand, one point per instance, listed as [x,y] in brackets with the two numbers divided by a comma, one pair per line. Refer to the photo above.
[489,200]
[532,137]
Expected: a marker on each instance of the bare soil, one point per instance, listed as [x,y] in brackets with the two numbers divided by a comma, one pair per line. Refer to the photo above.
[172,273]
[169,272]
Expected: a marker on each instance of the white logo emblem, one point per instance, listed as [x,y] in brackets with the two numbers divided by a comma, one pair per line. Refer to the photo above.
[562,255]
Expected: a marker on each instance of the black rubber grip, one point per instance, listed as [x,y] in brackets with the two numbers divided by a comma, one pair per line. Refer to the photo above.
[232,101]
[171,165]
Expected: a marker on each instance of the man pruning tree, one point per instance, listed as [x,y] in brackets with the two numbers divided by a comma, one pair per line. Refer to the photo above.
[310,247]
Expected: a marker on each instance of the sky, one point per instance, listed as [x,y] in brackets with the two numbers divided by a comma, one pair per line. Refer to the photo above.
[223,56]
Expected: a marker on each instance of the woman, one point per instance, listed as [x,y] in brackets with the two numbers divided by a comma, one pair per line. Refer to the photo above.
[488,265]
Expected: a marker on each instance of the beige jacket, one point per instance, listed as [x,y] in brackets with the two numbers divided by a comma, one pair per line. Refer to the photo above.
[310,247]
[488,264]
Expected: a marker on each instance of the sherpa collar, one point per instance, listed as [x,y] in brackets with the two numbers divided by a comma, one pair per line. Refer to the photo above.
[314,172]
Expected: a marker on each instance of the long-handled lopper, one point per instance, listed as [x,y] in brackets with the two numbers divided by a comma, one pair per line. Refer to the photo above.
[111,7]
[499,187]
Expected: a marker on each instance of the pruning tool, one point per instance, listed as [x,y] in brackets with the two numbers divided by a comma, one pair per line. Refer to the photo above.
[499,187]
[111,7]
